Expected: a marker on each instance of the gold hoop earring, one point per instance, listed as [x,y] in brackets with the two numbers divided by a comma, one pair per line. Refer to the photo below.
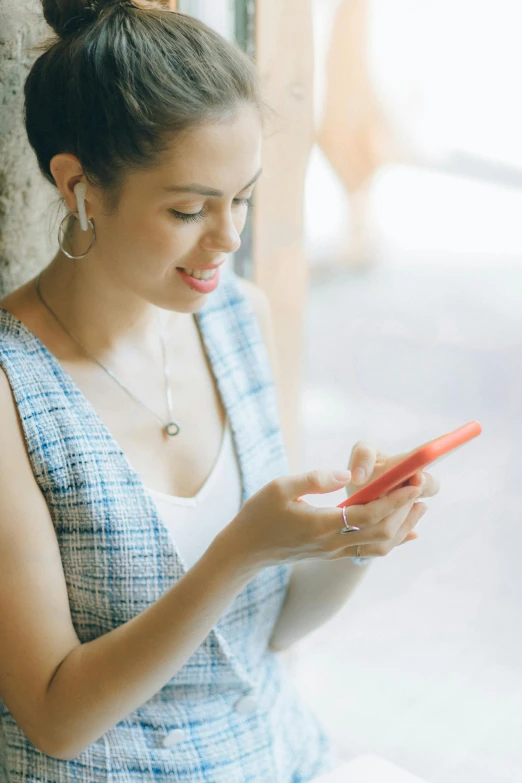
[60,231]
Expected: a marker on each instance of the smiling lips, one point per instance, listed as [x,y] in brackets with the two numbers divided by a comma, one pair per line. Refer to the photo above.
[205,284]
[195,268]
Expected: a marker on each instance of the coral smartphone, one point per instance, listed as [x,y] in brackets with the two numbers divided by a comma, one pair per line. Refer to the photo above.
[428,454]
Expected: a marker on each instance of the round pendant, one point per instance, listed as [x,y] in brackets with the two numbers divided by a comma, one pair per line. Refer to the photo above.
[172,428]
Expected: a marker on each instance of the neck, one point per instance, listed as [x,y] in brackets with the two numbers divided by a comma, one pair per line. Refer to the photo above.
[107,318]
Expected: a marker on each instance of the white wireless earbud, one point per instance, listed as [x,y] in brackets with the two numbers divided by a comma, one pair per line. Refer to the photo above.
[79,191]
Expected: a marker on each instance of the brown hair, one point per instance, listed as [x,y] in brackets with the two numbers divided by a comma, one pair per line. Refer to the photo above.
[121,78]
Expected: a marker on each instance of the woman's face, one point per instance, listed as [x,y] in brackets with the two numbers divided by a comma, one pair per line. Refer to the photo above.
[162,222]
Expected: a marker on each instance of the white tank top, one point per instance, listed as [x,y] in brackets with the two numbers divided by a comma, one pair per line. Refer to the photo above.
[194,522]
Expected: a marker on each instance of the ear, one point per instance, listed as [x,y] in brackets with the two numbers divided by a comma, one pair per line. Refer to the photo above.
[67,171]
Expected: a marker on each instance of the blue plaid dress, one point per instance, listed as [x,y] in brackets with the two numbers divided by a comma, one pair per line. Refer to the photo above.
[118,558]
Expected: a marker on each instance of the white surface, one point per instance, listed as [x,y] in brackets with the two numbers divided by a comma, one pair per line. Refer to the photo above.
[369,769]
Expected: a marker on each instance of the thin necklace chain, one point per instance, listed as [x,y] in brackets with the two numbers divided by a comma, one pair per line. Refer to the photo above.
[170,427]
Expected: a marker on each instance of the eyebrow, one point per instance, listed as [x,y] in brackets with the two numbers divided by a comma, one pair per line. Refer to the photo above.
[202,190]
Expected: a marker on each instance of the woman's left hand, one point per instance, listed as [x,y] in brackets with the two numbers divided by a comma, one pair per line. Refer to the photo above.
[374,462]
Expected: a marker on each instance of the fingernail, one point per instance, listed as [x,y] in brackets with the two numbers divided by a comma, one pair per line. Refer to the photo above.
[359,474]
[422,512]
[342,475]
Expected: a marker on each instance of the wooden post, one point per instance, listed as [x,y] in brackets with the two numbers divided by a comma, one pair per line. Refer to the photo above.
[284,54]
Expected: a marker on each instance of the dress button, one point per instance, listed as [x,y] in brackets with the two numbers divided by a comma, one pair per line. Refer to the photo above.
[173,738]
[246,705]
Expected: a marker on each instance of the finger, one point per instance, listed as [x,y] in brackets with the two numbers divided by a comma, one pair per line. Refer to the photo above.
[391,534]
[396,526]
[362,461]
[430,484]
[311,482]
[410,537]
[431,487]
[378,510]
[380,539]
[417,512]
[390,510]
[413,537]
[330,520]
[369,531]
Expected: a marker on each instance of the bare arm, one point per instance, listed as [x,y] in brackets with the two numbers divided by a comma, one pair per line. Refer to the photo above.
[316,591]
[102,681]
[64,694]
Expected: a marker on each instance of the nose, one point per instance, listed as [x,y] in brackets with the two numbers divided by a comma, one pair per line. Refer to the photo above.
[222,237]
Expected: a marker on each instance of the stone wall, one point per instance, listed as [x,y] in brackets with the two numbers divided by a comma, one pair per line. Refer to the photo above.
[29,205]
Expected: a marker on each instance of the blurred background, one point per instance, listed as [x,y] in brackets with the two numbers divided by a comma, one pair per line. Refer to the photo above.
[386,233]
[413,327]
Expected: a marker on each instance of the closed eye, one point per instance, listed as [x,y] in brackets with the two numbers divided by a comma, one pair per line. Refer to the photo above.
[188,217]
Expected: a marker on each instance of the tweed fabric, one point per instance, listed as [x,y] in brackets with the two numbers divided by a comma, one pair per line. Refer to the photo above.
[118,558]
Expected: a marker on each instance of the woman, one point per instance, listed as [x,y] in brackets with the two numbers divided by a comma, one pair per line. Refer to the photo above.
[139,599]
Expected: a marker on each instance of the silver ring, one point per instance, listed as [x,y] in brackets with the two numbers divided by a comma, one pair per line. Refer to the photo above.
[347,528]
[60,230]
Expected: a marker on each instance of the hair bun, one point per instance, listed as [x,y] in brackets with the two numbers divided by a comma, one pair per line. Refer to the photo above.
[69,16]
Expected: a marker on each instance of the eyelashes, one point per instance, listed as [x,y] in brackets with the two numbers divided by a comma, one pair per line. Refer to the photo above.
[193,217]
[188,218]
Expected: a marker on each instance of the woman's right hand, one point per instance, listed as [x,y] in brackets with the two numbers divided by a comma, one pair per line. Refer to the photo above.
[276,526]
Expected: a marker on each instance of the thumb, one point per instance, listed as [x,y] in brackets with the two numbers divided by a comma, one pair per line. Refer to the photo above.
[318,482]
